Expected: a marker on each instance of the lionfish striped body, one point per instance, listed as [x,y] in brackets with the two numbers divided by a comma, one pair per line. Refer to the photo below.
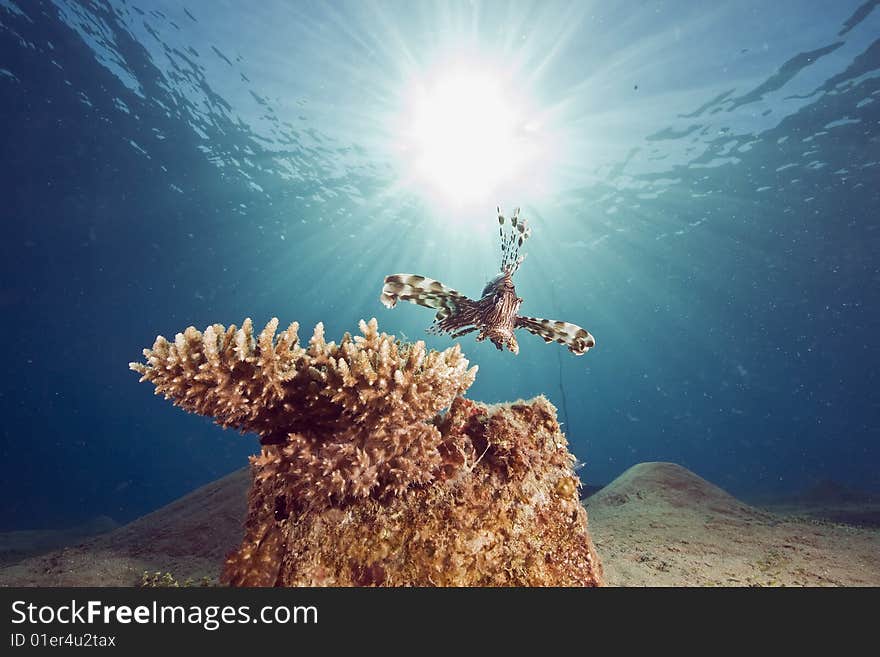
[495,314]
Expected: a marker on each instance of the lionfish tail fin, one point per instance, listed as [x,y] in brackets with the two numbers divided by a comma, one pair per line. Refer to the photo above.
[518,231]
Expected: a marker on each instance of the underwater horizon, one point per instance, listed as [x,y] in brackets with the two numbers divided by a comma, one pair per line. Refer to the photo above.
[702,185]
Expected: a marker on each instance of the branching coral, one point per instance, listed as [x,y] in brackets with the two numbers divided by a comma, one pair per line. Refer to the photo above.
[336,421]
[362,480]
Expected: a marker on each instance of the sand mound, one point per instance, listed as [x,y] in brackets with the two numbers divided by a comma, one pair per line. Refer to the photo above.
[828,491]
[829,501]
[659,524]
[206,522]
[189,538]
[668,484]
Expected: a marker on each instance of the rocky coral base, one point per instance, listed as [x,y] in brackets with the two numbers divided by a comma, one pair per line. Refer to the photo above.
[502,510]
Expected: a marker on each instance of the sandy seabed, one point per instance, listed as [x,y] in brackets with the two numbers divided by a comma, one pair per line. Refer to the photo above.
[658,524]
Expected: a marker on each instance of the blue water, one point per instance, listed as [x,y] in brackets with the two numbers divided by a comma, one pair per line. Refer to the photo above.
[703,182]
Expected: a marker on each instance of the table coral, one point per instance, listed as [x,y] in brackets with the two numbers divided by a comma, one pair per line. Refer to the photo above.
[363,480]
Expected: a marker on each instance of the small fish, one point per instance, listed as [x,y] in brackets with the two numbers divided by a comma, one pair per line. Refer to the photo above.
[495,313]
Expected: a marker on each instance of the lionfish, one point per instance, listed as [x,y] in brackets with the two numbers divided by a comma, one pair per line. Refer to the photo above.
[494,315]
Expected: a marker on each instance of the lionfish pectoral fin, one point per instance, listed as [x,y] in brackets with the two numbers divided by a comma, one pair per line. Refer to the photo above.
[578,340]
[423,291]
[464,331]
[437,328]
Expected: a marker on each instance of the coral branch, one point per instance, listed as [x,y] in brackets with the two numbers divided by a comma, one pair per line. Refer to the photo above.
[349,419]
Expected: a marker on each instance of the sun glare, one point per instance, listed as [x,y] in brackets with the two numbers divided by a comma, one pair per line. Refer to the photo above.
[464,136]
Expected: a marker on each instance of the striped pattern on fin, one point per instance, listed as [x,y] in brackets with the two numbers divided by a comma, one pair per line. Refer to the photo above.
[577,339]
[425,292]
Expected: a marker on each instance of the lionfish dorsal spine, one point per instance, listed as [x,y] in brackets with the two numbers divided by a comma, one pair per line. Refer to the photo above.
[512,240]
